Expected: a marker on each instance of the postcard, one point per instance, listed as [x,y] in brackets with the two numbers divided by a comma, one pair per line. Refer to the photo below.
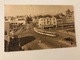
[38,27]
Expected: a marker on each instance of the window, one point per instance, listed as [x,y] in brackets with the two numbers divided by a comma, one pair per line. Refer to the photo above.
[50,22]
[44,19]
[6,19]
[50,19]
[54,22]
[5,32]
[40,24]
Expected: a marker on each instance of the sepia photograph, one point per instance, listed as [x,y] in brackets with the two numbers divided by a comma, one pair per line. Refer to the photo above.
[38,27]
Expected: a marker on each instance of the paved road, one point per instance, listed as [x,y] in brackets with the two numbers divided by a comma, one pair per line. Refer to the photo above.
[34,45]
[52,42]
[31,46]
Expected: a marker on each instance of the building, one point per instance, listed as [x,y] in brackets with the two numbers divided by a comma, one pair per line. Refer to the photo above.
[59,22]
[65,20]
[20,19]
[35,19]
[7,35]
[16,19]
[10,19]
[7,30]
[15,22]
[70,18]
[47,22]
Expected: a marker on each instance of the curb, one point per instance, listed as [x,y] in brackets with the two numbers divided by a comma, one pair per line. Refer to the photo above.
[45,32]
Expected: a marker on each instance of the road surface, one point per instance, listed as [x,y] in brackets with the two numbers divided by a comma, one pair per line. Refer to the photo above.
[51,42]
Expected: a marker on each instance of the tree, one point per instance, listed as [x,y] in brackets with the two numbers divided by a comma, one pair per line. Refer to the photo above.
[29,19]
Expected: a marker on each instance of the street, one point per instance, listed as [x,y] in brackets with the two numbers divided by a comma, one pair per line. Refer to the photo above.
[48,41]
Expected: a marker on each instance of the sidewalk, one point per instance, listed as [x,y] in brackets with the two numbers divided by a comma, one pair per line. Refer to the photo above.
[32,45]
[43,32]
[70,33]
[67,43]
[35,45]
[17,32]
[42,45]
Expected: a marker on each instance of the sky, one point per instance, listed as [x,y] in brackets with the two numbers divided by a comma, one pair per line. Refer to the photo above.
[14,10]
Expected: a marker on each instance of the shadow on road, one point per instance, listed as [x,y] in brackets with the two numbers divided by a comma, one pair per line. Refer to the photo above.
[25,40]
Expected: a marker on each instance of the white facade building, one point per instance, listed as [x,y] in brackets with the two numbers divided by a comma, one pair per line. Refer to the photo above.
[47,22]
[20,19]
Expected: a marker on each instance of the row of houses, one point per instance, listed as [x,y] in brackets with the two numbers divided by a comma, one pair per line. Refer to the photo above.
[17,19]
[59,20]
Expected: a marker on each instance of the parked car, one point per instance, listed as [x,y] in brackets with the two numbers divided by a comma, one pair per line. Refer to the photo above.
[68,39]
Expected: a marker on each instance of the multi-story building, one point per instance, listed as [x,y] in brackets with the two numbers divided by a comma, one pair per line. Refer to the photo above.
[7,35]
[7,30]
[18,19]
[70,18]
[15,22]
[59,22]
[65,20]
[47,22]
